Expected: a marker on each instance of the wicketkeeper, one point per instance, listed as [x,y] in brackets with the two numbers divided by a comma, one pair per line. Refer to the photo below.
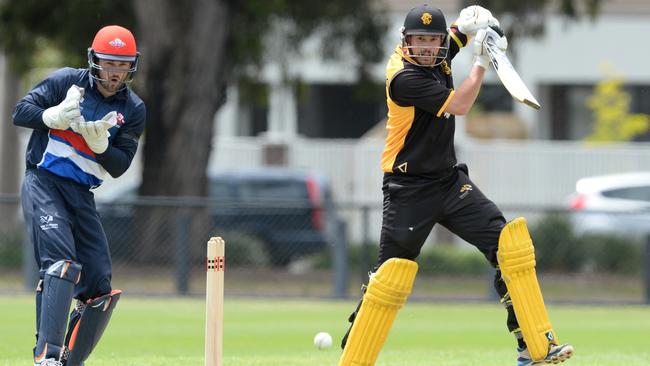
[424,185]
[85,122]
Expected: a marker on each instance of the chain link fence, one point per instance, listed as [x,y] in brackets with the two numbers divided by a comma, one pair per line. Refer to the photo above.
[292,249]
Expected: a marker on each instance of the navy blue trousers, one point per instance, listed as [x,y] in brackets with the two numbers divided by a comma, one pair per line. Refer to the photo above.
[63,224]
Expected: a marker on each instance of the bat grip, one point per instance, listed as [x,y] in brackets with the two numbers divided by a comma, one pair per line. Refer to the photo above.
[498,29]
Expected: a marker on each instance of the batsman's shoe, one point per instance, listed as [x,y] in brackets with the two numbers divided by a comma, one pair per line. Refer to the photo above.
[556,354]
[49,362]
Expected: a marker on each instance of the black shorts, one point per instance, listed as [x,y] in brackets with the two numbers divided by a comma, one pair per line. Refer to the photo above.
[414,204]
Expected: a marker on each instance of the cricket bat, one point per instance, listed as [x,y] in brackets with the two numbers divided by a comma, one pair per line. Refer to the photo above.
[506,72]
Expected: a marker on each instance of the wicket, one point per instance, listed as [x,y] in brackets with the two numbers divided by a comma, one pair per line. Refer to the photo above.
[215,266]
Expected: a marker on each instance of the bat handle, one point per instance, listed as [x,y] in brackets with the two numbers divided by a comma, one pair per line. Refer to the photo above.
[498,29]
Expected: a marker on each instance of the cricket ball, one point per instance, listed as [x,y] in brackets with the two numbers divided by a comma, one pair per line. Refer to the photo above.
[323,340]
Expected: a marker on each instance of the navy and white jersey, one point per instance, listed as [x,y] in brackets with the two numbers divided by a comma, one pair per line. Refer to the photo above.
[65,153]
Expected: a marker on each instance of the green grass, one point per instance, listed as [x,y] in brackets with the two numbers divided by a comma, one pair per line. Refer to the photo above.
[269,332]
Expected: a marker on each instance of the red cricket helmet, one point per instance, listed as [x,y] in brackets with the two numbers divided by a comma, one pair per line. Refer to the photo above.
[114,43]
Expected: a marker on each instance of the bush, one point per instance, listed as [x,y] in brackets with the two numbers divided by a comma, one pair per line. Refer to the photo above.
[245,249]
[437,259]
[557,248]
[452,260]
[613,254]
[11,252]
[360,257]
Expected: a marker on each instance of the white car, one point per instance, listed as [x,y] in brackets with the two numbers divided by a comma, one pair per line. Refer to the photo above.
[612,204]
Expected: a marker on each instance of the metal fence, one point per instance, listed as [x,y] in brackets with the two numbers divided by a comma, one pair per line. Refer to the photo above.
[158,248]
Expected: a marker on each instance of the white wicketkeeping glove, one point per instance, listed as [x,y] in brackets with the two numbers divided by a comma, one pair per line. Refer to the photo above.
[473,18]
[60,116]
[96,132]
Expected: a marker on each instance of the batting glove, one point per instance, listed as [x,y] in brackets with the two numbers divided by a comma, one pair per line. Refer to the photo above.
[60,116]
[481,57]
[473,18]
[96,132]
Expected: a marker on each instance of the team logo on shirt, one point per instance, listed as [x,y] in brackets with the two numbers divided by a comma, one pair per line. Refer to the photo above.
[120,119]
[426,18]
[464,190]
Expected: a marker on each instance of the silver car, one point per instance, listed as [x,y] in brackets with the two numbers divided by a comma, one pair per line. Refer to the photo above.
[612,204]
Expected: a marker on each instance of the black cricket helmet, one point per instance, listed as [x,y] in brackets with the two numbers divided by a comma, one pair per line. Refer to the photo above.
[429,21]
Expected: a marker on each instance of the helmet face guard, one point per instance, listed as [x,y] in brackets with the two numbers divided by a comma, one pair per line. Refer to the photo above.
[436,55]
[425,20]
[113,43]
[95,67]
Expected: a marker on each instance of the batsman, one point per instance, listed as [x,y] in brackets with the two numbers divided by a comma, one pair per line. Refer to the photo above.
[84,123]
[423,185]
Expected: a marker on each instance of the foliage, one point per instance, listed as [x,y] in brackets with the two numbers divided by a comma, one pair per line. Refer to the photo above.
[436,259]
[11,248]
[246,250]
[452,260]
[559,249]
[611,107]
[556,247]
[527,18]
[339,23]
[613,254]
[29,26]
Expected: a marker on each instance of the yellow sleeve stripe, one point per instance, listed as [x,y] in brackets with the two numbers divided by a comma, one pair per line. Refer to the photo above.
[456,39]
[444,106]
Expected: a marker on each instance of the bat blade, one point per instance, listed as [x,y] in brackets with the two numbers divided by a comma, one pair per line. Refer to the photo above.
[508,75]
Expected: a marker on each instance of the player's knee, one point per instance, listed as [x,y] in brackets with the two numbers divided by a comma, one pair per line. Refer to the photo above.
[95,284]
[408,242]
[65,269]
[103,287]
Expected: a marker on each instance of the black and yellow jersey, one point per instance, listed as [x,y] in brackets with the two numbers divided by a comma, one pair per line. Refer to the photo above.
[420,139]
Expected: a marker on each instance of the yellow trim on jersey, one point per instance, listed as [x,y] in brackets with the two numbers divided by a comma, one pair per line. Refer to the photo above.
[456,39]
[444,106]
[400,118]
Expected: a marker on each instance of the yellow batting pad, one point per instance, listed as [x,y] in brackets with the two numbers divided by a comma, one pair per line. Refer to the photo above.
[516,257]
[387,291]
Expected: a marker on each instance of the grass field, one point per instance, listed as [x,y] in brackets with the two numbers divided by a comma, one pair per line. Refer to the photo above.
[269,332]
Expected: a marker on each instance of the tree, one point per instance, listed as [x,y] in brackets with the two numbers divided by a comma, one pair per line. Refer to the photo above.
[190,52]
[527,18]
[611,107]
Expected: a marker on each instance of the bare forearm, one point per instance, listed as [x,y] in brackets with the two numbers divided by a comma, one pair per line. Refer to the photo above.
[466,93]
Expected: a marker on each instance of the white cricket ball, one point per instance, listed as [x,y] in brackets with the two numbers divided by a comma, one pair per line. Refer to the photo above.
[323,340]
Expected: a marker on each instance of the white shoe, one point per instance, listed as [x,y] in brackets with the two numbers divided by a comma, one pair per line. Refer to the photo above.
[556,354]
[49,362]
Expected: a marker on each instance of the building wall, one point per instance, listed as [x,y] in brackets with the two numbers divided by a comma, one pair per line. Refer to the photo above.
[570,52]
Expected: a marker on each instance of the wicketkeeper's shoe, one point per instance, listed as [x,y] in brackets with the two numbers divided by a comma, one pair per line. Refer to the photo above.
[556,354]
[49,362]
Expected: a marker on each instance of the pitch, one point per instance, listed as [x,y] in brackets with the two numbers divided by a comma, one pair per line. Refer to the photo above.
[270,332]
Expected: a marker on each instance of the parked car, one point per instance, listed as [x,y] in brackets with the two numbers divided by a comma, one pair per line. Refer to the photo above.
[612,204]
[289,212]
